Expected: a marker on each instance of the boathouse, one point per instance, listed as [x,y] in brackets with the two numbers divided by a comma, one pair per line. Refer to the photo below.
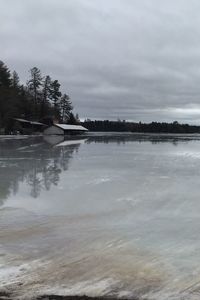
[64,129]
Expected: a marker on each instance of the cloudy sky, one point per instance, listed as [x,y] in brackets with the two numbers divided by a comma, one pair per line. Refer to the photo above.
[128,59]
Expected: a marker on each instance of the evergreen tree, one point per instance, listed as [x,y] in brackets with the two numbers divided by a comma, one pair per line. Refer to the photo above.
[72,119]
[15,80]
[66,107]
[55,95]
[5,84]
[34,85]
[25,106]
[5,78]
[77,118]
[46,94]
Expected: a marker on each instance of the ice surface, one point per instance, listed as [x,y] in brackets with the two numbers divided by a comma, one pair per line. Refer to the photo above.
[106,215]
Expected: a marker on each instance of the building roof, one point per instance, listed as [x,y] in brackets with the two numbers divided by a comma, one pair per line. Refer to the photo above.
[37,123]
[21,120]
[71,127]
[29,122]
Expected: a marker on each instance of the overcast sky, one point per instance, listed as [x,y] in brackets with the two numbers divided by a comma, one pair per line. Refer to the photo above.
[128,59]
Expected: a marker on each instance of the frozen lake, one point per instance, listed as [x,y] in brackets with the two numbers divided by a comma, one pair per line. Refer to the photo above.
[100,215]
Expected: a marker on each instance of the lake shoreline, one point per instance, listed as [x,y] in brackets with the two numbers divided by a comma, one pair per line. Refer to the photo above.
[9,296]
[57,297]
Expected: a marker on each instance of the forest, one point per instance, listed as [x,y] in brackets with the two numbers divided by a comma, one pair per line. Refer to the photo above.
[40,99]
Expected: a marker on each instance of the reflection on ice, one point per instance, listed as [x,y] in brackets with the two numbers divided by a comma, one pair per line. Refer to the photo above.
[35,163]
[53,139]
[72,142]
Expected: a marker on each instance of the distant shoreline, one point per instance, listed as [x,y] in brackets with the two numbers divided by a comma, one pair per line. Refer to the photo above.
[139,127]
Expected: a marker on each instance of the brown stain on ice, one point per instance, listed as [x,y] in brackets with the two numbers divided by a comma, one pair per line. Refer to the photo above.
[128,268]
[17,234]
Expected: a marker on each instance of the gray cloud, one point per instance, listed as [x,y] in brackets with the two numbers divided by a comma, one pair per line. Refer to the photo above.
[129,59]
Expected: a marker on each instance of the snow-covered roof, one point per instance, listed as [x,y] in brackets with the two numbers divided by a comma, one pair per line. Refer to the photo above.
[37,123]
[71,127]
[22,120]
[29,122]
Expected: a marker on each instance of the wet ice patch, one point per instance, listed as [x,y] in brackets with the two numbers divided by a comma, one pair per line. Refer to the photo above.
[188,154]
[99,180]
[129,200]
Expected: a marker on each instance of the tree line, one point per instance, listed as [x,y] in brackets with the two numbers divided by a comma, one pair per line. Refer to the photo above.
[153,127]
[40,99]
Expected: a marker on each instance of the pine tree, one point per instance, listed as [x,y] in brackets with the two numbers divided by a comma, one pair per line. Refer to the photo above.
[66,107]
[46,94]
[15,80]
[34,85]
[5,78]
[5,84]
[77,118]
[55,95]
[72,119]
